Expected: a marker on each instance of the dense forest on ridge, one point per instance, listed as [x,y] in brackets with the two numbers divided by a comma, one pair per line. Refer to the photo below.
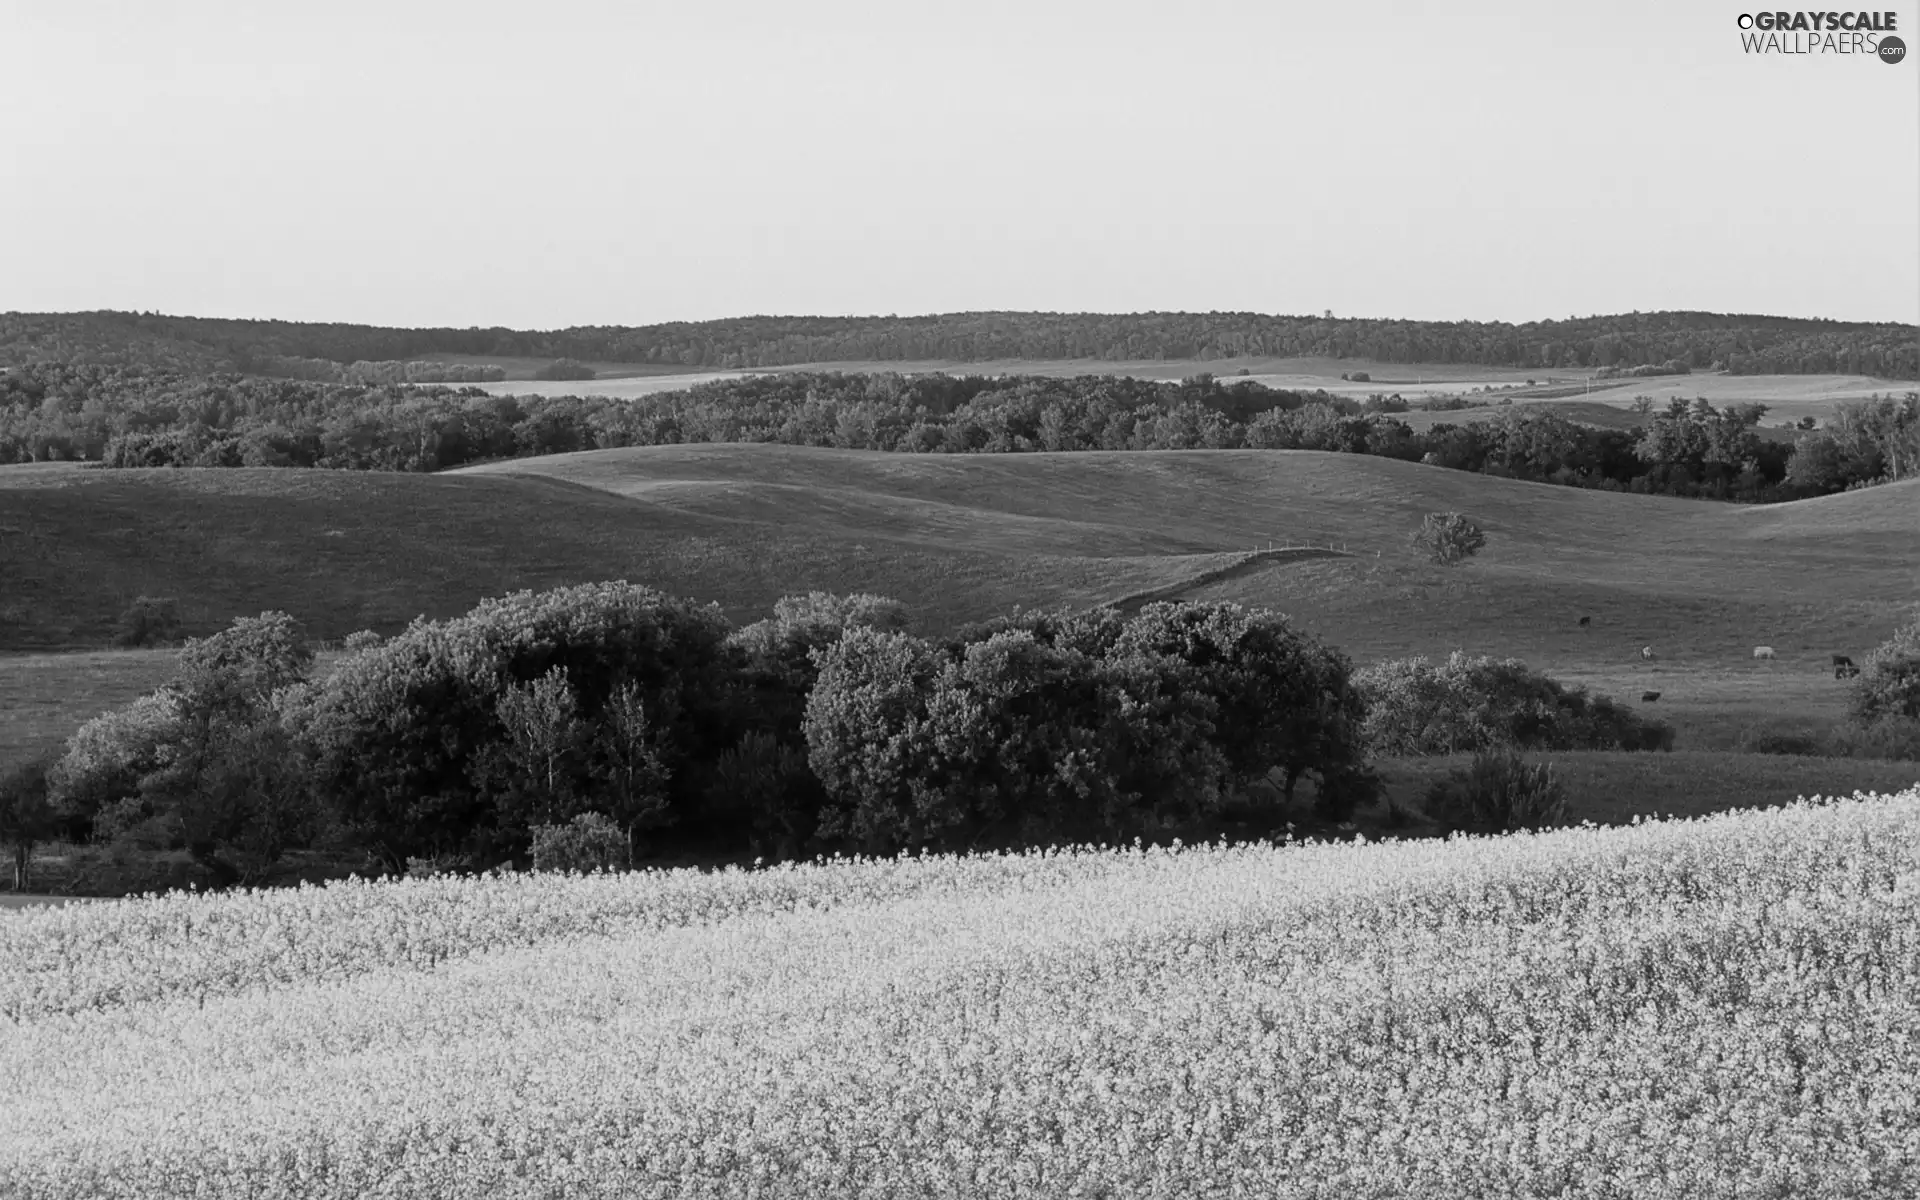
[1743,344]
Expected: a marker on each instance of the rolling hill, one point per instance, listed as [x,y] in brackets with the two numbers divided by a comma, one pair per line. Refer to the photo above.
[960,537]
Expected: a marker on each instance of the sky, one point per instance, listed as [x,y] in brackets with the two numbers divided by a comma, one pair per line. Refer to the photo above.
[580,162]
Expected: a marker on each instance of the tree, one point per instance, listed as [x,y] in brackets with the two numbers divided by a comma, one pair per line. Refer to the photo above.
[533,771]
[27,817]
[148,621]
[631,772]
[1449,537]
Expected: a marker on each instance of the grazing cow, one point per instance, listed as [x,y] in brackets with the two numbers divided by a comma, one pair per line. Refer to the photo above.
[1646,652]
[1763,651]
[1586,622]
[1841,660]
[1649,697]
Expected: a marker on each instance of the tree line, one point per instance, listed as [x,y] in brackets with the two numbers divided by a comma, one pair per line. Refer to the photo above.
[830,726]
[1741,343]
[126,417]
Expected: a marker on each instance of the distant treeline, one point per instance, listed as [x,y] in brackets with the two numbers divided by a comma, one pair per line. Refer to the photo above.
[127,418]
[1744,344]
[325,370]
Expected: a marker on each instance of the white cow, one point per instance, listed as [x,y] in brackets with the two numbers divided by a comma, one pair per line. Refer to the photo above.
[1763,651]
[1646,652]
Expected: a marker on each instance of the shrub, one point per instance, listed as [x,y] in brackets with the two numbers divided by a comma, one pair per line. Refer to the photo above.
[1889,682]
[1774,741]
[1471,703]
[1449,538]
[364,639]
[1894,738]
[148,621]
[589,842]
[1500,793]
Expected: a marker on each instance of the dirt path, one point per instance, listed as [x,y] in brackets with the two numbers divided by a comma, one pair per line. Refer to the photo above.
[1246,564]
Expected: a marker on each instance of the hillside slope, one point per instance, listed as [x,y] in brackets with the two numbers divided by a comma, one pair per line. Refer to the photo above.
[348,550]
[1699,578]
[961,537]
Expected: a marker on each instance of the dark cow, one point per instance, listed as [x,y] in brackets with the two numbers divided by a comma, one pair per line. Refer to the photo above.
[1649,697]
[1586,622]
[1841,660]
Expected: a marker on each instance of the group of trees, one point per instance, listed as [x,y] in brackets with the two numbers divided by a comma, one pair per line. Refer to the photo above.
[827,726]
[591,722]
[1699,341]
[131,418]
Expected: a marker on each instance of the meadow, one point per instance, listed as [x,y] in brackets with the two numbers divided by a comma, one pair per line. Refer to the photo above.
[1714,1008]
[1788,397]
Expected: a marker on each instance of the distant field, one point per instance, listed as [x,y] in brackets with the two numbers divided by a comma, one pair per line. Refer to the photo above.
[1788,397]
[522,368]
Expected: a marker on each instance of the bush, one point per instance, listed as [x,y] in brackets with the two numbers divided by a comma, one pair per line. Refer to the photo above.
[148,621]
[589,842]
[1449,538]
[1774,741]
[1889,682]
[1894,738]
[1470,703]
[1500,793]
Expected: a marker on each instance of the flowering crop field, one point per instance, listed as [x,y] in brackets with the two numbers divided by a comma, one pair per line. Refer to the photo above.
[1728,1006]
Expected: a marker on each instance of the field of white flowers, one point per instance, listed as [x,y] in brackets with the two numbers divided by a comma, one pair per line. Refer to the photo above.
[1723,1007]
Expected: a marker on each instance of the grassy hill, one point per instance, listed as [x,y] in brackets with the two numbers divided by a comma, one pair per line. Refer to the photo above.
[963,537]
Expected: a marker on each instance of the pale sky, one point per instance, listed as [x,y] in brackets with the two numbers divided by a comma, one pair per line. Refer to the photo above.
[625,162]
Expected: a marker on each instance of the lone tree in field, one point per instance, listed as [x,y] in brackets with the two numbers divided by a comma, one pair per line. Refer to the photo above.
[1449,537]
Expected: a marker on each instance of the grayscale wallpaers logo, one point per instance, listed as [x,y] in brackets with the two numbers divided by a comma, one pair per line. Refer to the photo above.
[1867,34]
